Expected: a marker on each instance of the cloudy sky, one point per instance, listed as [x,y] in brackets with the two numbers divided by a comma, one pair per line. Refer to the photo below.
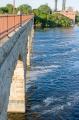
[36,3]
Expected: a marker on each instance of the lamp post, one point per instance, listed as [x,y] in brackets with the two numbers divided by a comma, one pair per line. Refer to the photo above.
[13,6]
[56,1]
[14,13]
[63,5]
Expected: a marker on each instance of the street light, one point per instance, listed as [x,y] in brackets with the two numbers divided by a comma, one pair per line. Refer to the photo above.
[56,2]
[63,4]
[13,6]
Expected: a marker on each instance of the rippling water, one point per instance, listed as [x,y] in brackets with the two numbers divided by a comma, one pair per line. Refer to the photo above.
[53,85]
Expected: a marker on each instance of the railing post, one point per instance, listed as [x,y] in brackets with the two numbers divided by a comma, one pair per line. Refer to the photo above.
[14,22]
[20,20]
[7,25]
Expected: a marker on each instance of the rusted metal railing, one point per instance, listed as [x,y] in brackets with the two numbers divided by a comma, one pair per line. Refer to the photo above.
[9,23]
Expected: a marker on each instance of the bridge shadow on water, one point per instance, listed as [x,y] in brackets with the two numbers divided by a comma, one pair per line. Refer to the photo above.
[22,116]
[17,116]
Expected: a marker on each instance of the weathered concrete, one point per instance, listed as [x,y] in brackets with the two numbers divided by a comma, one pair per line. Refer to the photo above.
[17,90]
[13,59]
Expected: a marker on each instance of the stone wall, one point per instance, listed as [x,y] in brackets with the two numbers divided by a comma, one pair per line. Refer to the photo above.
[10,50]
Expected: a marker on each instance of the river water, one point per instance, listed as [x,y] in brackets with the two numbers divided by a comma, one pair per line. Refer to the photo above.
[52,86]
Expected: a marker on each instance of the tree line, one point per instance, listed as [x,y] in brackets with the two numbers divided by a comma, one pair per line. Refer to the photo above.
[9,9]
[43,15]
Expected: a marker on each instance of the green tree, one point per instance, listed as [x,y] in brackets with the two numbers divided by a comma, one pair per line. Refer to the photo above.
[59,20]
[10,8]
[3,10]
[25,9]
[40,18]
[36,12]
[45,9]
[51,20]
[77,19]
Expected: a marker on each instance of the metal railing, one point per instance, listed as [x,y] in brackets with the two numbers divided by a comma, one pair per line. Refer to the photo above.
[9,23]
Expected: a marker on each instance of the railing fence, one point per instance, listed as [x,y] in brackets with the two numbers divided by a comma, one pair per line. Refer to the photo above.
[9,23]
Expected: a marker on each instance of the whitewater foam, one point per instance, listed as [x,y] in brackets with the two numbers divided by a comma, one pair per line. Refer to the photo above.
[71,101]
[35,107]
[41,70]
[48,101]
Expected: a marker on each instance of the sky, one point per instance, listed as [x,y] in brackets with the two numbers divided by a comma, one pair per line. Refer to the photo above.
[37,3]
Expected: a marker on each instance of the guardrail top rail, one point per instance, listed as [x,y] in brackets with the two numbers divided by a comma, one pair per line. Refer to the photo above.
[9,23]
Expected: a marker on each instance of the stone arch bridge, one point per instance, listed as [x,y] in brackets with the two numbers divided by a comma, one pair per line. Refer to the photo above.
[14,58]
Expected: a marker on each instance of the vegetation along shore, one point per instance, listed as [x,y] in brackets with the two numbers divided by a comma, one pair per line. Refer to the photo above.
[43,16]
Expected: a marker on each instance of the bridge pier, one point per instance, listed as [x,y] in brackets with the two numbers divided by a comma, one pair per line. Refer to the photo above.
[28,52]
[17,90]
[29,48]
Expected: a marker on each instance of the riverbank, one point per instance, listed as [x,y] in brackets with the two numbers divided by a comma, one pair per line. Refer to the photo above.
[51,20]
